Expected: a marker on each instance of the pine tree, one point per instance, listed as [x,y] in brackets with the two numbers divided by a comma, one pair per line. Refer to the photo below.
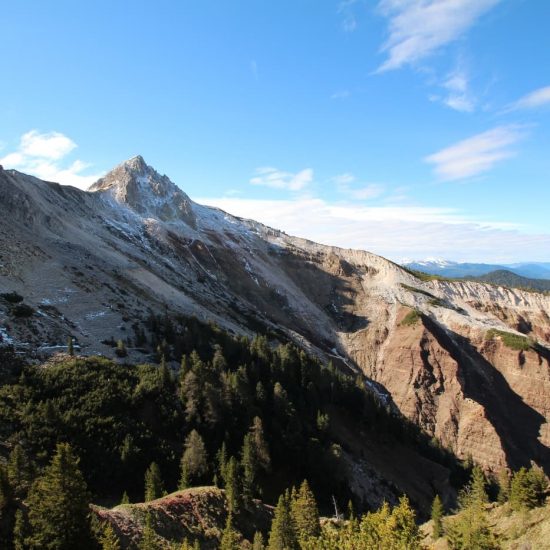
[230,538]
[539,483]
[261,447]
[149,539]
[19,531]
[108,538]
[20,471]
[194,461]
[305,514]
[249,464]
[437,516]
[125,498]
[258,542]
[58,505]
[70,346]
[282,535]
[406,531]
[522,491]
[233,486]
[154,487]
[478,484]
[221,458]
[475,493]
[503,481]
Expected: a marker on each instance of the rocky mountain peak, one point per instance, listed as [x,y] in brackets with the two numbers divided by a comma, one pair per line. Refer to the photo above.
[140,187]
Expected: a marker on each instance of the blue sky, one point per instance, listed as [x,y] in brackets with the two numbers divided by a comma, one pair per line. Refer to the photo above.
[411,128]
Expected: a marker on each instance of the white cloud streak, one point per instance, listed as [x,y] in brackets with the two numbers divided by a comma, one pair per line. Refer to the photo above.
[348,185]
[392,231]
[459,97]
[278,179]
[533,100]
[418,28]
[477,154]
[41,155]
[345,10]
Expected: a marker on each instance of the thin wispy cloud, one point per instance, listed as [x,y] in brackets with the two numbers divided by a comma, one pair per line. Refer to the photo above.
[459,96]
[418,28]
[533,100]
[347,14]
[477,154]
[393,231]
[43,154]
[348,185]
[279,179]
[341,94]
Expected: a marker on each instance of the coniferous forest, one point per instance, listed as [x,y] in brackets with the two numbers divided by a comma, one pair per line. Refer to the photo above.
[248,415]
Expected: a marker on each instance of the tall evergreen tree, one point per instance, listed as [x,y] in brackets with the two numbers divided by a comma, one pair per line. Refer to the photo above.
[70,346]
[249,463]
[305,514]
[522,491]
[149,539]
[20,471]
[437,518]
[282,535]
[194,462]
[154,486]
[20,531]
[258,542]
[58,505]
[108,538]
[230,538]
[233,486]
[503,482]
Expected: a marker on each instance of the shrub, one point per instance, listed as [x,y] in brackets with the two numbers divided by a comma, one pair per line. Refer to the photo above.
[22,310]
[12,297]
[513,341]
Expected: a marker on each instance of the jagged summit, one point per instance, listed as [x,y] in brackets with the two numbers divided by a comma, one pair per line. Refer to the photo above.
[140,187]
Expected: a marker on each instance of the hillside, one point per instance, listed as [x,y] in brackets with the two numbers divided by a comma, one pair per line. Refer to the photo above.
[93,266]
[507,278]
[515,530]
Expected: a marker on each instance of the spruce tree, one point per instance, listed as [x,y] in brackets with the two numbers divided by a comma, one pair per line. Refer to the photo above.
[282,535]
[233,486]
[58,505]
[70,346]
[20,471]
[503,481]
[305,514]
[20,531]
[522,491]
[125,499]
[149,539]
[154,487]
[258,542]
[108,538]
[406,531]
[230,538]
[221,459]
[249,464]
[437,517]
[194,461]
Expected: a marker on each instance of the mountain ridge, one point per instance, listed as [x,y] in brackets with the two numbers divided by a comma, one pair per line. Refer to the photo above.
[89,264]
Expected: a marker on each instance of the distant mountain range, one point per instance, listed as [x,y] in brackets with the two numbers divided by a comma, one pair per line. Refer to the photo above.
[445,268]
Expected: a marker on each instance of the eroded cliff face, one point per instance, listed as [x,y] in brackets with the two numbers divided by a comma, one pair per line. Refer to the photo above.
[90,263]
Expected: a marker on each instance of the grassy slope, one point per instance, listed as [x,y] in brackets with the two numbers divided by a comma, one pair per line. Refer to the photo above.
[526,530]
